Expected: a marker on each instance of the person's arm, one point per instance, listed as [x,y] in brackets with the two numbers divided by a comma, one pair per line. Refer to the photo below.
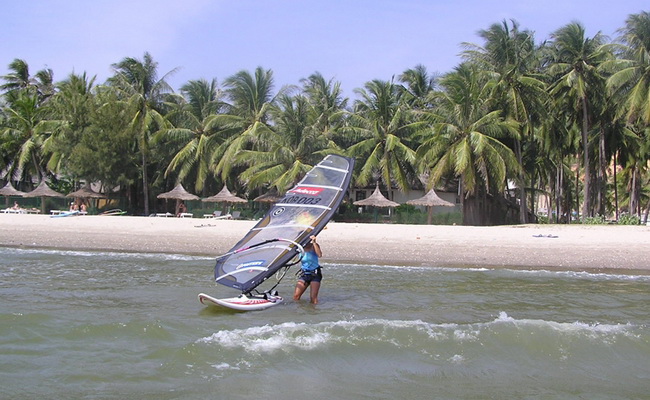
[317,249]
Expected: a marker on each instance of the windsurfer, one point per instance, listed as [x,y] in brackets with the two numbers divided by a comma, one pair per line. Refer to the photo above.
[310,273]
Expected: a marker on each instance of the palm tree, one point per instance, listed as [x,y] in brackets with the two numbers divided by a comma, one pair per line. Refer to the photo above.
[632,72]
[327,106]
[465,142]
[629,86]
[20,80]
[382,124]
[194,134]
[304,126]
[25,130]
[289,152]
[510,54]
[139,83]
[575,63]
[74,104]
[418,86]
[251,97]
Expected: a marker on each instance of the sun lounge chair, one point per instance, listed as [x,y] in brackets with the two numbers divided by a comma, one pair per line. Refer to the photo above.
[215,214]
[185,215]
[14,211]
[236,214]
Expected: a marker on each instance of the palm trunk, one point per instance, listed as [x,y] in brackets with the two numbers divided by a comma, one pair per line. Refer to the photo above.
[633,193]
[145,184]
[523,212]
[586,205]
[615,188]
[602,176]
[145,178]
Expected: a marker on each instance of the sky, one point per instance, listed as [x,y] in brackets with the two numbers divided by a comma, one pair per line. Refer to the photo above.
[350,41]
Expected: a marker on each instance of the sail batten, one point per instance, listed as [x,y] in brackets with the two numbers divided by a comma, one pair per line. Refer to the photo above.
[303,211]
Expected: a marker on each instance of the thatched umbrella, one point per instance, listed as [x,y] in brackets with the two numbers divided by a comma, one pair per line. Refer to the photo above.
[43,191]
[86,192]
[269,197]
[9,191]
[180,194]
[376,199]
[430,200]
[224,196]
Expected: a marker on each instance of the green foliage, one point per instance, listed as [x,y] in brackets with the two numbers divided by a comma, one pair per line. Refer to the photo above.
[627,219]
[597,220]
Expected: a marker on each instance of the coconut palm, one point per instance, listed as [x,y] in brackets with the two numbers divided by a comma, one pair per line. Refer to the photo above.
[304,126]
[465,142]
[578,83]
[384,131]
[251,97]
[327,106]
[510,55]
[25,129]
[20,80]
[289,152]
[138,81]
[632,72]
[194,134]
[418,86]
[73,104]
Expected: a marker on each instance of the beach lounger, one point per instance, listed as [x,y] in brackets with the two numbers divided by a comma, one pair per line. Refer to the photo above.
[14,211]
[186,215]
[213,215]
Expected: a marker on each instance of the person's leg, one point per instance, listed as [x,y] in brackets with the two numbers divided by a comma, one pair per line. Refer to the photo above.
[313,292]
[301,286]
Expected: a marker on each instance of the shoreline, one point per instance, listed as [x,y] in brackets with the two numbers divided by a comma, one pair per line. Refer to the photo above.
[557,247]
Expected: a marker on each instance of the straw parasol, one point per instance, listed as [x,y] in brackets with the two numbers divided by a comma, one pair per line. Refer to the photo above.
[269,197]
[87,192]
[8,190]
[180,194]
[43,191]
[376,199]
[430,200]
[224,196]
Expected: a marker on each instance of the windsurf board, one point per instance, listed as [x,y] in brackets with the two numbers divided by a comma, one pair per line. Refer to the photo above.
[242,302]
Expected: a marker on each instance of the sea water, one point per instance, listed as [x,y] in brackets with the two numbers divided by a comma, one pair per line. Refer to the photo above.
[93,325]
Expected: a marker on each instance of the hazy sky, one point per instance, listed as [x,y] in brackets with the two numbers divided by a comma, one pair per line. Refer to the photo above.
[352,41]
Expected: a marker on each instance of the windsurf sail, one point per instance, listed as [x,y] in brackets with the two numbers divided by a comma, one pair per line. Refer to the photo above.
[278,238]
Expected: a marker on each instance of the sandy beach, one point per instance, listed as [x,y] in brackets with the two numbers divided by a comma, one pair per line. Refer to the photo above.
[574,247]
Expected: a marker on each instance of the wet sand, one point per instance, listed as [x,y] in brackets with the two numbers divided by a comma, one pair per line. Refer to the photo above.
[573,247]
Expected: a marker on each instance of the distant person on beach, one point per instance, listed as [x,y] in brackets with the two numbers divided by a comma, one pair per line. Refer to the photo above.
[181,209]
[16,206]
[310,272]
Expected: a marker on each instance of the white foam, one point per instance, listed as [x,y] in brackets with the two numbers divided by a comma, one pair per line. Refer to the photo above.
[111,254]
[568,327]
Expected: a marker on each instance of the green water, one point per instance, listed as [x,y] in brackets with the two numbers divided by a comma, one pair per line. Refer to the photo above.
[83,325]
